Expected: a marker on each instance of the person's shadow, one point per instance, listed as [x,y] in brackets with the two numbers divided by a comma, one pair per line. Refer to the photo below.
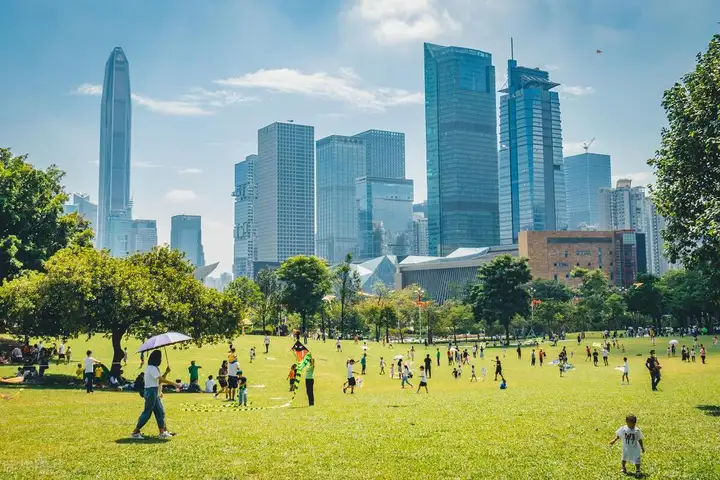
[144,441]
[712,410]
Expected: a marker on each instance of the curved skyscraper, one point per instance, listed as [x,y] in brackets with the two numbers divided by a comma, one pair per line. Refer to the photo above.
[114,206]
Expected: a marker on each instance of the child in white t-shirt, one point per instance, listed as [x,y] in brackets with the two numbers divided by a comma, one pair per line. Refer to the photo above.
[210,385]
[382,366]
[632,442]
[423,380]
[483,372]
[626,372]
[472,374]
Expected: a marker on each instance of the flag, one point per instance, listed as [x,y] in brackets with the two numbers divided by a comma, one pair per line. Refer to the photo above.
[536,302]
[300,351]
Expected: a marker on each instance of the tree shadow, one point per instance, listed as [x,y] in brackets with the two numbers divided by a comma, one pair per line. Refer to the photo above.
[144,441]
[711,410]
[58,382]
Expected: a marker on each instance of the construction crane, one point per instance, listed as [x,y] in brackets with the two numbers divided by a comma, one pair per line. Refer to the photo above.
[586,145]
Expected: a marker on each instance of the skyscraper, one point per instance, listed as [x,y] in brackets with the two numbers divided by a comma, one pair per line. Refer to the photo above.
[384,216]
[80,203]
[585,175]
[658,263]
[143,236]
[186,236]
[420,235]
[114,205]
[340,162]
[461,142]
[285,208]
[531,177]
[244,233]
[623,207]
[385,154]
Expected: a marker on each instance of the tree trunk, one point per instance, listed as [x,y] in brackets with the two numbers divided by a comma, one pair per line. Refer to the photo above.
[377,332]
[118,352]
[454,333]
[304,324]
[507,334]
[429,330]
[387,332]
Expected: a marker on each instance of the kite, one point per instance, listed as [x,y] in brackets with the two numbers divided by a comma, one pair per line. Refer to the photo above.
[300,351]
[599,52]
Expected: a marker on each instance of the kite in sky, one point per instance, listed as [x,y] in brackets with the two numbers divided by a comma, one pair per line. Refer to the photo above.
[599,52]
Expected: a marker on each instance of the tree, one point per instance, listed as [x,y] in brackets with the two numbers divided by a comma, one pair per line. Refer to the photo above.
[501,291]
[270,293]
[248,293]
[306,281]
[594,292]
[687,192]
[645,297]
[347,287]
[546,290]
[32,224]
[455,316]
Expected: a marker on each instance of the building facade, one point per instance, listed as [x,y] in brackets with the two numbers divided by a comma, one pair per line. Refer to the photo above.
[244,231]
[80,203]
[623,207]
[420,235]
[340,162]
[186,236]
[114,204]
[384,216]
[285,206]
[143,236]
[385,153]
[658,263]
[461,143]
[531,176]
[585,175]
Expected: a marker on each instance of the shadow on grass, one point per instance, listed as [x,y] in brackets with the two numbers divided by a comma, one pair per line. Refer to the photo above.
[712,410]
[58,382]
[144,441]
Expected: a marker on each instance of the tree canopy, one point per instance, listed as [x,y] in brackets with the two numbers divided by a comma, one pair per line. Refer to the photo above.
[306,280]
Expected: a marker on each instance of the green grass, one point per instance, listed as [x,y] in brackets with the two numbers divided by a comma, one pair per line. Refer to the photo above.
[543,426]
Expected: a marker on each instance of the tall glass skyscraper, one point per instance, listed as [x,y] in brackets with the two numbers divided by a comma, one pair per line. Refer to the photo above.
[385,153]
[114,205]
[143,236]
[186,236]
[285,208]
[531,177]
[245,193]
[461,142]
[340,162]
[585,175]
[384,216]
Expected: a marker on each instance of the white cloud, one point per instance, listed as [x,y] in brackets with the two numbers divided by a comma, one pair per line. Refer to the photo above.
[399,21]
[343,87]
[217,98]
[190,171]
[575,90]
[180,196]
[170,107]
[550,68]
[142,164]
[89,89]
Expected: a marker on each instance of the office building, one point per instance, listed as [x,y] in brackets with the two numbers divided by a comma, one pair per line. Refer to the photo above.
[658,262]
[340,162]
[114,205]
[623,207]
[420,235]
[186,236]
[531,176]
[461,142]
[285,206]
[385,154]
[143,236]
[245,232]
[384,216]
[585,175]
[80,203]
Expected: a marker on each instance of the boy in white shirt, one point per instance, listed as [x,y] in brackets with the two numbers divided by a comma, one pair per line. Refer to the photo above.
[210,386]
[382,366]
[626,372]
[423,380]
[632,442]
[472,374]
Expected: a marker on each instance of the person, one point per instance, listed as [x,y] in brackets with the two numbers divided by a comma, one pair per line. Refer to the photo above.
[222,380]
[437,356]
[632,443]
[233,368]
[125,356]
[242,389]
[292,375]
[482,352]
[498,367]
[68,355]
[232,356]
[382,366]
[483,373]
[519,352]
[89,368]
[472,374]
[595,357]
[79,372]
[692,355]
[142,360]
[653,366]
[392,370]
[61,352]
[210,385]
[668,351]
[152,395]
[338,345]
[406,376]
[412,353]
[561,365]
[578,339]
[703,353]
[589,354]
[474,350]
[428,366]
[267,343]
[626,372]
[252,354]
[423,380]
[459,370]
[455,373]
[363,363]
[715,341]
[350,382]
[399,367]
[310,382]
[541,356]
[605,354]
[532,358]
[194,371]
[503,384]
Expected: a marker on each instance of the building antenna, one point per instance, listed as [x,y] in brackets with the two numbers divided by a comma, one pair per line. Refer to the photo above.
[512,49]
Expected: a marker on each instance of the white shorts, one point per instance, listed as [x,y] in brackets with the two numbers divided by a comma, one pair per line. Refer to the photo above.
[631,457]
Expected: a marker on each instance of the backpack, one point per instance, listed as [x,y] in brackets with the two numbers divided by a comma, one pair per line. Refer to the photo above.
[140,385]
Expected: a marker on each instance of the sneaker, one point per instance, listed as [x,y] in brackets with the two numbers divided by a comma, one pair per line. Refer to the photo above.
[137,436]
[165,434]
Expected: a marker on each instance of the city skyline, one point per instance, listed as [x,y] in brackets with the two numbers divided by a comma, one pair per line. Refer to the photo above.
[197,105]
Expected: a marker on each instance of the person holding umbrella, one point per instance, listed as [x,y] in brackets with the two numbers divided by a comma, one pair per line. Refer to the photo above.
[152,395]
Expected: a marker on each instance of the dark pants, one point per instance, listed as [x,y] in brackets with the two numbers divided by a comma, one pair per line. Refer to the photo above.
[309,387]
[655,379]
[428,369]
[267,347]
[89,377]
[438,360]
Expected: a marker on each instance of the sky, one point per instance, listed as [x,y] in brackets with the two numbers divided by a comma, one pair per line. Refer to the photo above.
[206,76]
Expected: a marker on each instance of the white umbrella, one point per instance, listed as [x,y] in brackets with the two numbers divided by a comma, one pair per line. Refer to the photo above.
[398,357]
[364,347]
[163,340]
[673,342]
[453,349]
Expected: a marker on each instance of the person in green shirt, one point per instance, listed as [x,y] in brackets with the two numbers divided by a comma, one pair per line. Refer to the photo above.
[437,355]
[194,372]
[310,382]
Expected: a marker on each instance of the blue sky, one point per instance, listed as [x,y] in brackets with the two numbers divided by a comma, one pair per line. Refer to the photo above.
[207,75]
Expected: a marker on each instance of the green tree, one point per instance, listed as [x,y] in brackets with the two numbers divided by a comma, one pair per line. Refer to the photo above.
[32,224]
[306,281]
[456,317]
[552,315]
[270,295]
[594,292]
[546,290]
[645,298]
[686,192]
[248,294]
[501,292]
[347,287]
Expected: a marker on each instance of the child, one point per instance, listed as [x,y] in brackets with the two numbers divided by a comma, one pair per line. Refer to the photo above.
[626,372]
[503,384]
[692,355]
[483,372]
[632,439]
[561,364]
[406,376]
[210,386]
[668,351]
[68,355]
[459,369]
[703,353]
[532,358]
[242,389]
[291,376]
[382,366]
[595,357]
[455,373]
[472,374]
[125,356]
[79,372]
[423,380]
[350,383]
[252,354]
[363,363]
[392,370]
[338,345]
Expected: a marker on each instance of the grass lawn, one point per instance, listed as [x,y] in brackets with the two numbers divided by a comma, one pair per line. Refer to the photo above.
[541,427]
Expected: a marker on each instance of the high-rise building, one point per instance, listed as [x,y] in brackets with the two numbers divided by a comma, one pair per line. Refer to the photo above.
[461,142]
[143,236]
[658,263]
[531,177]
[81,204]
[384,216]
[340,162]
[285,207]
[114,204]
[585,175]
[385,154]
[420,235]
[623,207]
[186,236]
[244,233]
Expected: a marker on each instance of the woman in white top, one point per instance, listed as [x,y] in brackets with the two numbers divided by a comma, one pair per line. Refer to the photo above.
[152,394]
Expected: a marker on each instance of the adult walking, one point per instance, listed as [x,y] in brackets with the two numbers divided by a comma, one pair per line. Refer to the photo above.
[428,365]
[152,394]
[310,382]
[498,368]
[267,343]
[89,366]
[653,366]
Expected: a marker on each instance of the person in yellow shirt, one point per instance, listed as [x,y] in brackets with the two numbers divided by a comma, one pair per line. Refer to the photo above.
[98,372]
[232,355]
[79,372]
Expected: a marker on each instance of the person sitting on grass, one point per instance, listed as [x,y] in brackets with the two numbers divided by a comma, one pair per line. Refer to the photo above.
[632,443]
[503,384]
[210,385]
